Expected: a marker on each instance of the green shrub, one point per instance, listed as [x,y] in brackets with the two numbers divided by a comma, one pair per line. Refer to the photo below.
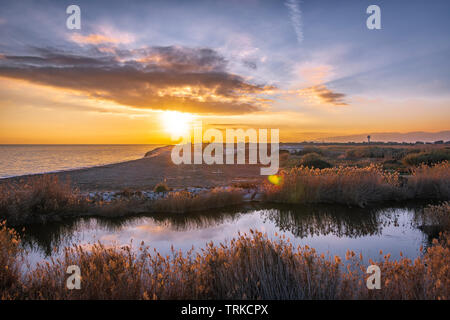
[379,152]
[313,160]
[307,150]
[161,187]
[428,158]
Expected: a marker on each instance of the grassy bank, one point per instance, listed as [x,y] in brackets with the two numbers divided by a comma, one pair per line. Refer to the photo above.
[248,267]
[359,186]
[39,199]
[45,198]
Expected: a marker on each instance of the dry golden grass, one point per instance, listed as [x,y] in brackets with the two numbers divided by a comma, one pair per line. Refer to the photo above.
[10,260]
[430,182]
[344,185]
[38,198]
[44,197]
[359,186]
[183,201]
[248,267]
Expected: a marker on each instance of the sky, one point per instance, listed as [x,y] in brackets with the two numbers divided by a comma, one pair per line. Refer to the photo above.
[311,69]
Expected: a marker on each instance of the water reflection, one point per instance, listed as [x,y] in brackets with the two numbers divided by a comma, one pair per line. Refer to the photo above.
[327,228]
[311,221]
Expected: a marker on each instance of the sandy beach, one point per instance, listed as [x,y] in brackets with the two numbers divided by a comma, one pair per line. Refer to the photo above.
[154,168]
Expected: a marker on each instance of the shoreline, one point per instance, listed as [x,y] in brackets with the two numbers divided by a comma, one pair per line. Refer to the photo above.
[28,175]
[146,172]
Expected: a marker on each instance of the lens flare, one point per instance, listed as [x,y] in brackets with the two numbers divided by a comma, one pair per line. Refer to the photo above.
[275,179]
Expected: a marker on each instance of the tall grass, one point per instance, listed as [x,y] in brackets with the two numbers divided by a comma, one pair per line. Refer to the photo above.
[10,261]
[38,198]
[428,158]
[359,186]
[248,267]
[430,182]
[183,201]
[45,197]
[434,219]
[344,185]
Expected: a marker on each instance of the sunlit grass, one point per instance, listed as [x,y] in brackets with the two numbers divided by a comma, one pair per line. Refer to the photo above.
[359,186]
[250,266]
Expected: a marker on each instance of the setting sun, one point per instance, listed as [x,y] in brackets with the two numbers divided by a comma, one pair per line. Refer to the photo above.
[176,123]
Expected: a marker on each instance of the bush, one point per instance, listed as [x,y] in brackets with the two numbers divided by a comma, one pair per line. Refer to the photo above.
[379,152]
[313,160]
[307,150]
[38,198]
[428,158]
[161,187]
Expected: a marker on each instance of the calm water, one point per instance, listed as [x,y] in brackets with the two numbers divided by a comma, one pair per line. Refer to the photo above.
[330,230]
[18,160]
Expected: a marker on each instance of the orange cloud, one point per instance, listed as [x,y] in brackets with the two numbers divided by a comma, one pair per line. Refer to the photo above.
[322,94]
[176,78]
[93,39]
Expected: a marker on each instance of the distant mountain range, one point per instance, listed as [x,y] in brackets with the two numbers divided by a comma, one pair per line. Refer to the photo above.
[393,137]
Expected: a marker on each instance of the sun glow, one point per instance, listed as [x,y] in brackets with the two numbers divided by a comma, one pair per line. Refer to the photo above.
[177,123]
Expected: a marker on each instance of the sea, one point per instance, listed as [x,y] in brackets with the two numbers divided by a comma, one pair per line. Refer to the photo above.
[18,160]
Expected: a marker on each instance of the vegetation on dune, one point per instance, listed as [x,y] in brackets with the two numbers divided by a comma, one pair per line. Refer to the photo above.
[380,152]
[248,267]
[314,160]
[428,158]
[310,149]
[161,187]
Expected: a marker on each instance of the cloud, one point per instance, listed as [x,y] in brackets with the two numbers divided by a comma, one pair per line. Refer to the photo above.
[250,64]
[162,78]
[92,39]
[322,94]
[295,15]
[104,34]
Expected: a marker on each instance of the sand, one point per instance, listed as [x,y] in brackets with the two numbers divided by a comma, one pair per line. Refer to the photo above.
[156,167]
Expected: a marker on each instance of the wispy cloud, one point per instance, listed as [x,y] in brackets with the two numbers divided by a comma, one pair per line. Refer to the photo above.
[323,95]
[296,17]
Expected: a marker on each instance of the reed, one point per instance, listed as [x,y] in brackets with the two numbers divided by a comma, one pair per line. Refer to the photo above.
[39,198]
[183,201]
[250,266]
[359,186]
[342,185]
